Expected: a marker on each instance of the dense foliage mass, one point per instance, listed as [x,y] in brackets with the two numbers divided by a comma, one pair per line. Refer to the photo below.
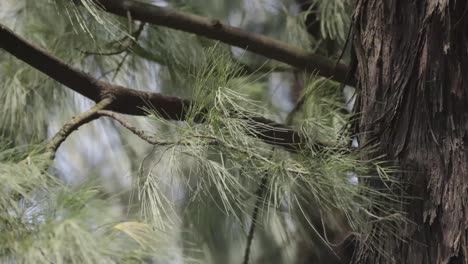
[206,189]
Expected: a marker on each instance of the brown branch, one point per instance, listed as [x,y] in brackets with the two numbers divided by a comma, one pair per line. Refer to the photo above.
[74,124]
[125,101]
[214,29]
[133,102]
[140,133]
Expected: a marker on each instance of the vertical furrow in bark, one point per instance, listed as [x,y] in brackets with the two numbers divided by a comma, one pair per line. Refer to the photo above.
[413,81]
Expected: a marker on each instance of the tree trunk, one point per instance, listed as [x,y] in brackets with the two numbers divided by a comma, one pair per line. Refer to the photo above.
[412,72]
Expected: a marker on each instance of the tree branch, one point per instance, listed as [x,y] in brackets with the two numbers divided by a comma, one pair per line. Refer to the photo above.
[214,29]
[125,101]
[140,133]
[74,124]
[133,102]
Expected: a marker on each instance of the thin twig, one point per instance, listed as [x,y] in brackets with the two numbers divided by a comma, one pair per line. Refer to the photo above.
[129,48]
[74,124]
[130,41]
[140,133]
[262,187]
[119,66]
[259,194]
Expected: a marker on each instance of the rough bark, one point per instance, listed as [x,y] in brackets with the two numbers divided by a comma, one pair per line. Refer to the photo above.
[412,77]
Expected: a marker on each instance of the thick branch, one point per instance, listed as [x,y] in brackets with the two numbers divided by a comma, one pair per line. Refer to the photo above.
[125,101]
[129,101]
[214,29]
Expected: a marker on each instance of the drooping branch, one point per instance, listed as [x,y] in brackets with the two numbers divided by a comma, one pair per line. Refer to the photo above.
[74,124]
[129,101]
[214,29]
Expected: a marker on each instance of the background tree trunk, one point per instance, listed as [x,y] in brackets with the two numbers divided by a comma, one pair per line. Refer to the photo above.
[412,74]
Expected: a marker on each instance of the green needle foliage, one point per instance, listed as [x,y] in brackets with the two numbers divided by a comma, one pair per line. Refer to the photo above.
[226,163]
[195,187]
[45,221]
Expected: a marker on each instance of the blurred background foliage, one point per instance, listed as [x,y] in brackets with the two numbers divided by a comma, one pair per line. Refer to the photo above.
[113,198]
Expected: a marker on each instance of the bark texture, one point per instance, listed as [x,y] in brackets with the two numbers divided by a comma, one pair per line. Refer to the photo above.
[412,77]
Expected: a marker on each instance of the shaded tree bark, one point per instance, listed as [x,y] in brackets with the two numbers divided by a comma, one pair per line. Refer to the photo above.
[412,76]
